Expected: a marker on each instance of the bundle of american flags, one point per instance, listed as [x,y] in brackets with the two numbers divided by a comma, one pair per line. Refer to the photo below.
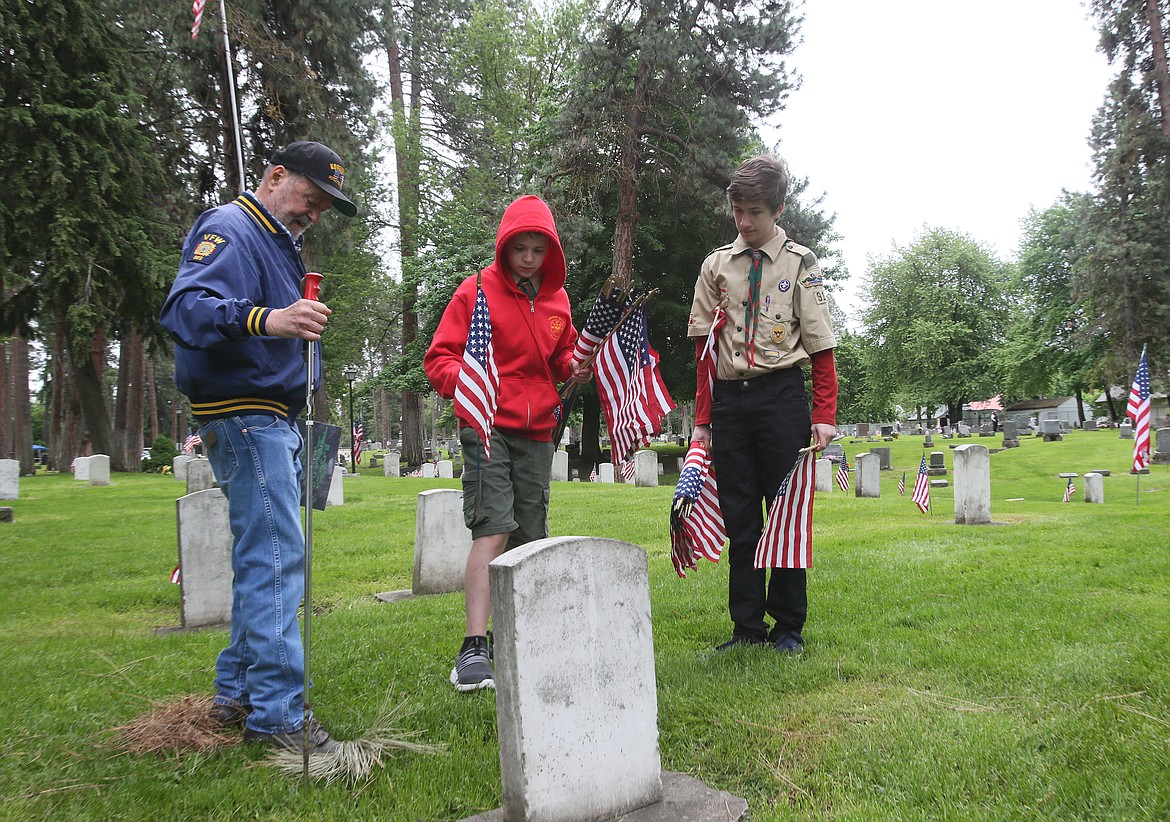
[696,522]
[787,538]
[477,390]
[921,493]
[633,396]
[1138,408]
[191,443]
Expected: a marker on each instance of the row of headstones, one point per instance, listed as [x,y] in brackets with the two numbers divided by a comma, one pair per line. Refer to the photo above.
[646,468]
[95,470]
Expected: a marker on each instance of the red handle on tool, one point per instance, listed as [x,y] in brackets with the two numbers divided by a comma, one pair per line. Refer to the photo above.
[313,285]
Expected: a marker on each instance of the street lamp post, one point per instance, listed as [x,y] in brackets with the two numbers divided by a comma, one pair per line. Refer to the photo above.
[350,374]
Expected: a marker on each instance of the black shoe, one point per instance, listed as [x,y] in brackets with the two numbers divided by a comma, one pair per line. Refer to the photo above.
[319,740]
[229,715]
[738,639]
[473,667]
[790,643]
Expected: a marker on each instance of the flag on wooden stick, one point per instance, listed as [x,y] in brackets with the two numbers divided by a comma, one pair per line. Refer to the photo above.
[787,538]
[477,391]
[1069,490]
[843,473]
[359,432]
[696,521]
[921,493]
[1138,408]
[902,484]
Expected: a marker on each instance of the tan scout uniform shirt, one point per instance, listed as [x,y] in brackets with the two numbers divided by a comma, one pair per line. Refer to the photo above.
[794,309]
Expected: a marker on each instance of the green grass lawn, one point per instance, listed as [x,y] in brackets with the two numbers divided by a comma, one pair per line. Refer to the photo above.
[1012,671]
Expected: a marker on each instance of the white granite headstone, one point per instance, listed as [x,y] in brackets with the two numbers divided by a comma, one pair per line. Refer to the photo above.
[605,472]
[573,641]
[428,470]
[1094,488]
[200,477]
[205,558]
[824,475]
[560,466]
[179,466]
[99,469]
[646,469]
[336,487]
[81,469]
[9,479]
[393,466]
[972,485]
[441,542]
[446,469]
[867,476]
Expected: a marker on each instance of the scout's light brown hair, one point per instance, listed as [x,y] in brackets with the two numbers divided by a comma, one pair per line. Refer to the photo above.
[761,178]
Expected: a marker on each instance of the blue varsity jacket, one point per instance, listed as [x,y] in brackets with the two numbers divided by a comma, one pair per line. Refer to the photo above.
[238,264]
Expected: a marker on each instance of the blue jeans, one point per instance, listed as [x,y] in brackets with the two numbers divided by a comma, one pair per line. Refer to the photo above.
[257,462]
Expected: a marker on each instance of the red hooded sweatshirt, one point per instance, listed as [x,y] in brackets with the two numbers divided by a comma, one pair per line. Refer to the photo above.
[533,343]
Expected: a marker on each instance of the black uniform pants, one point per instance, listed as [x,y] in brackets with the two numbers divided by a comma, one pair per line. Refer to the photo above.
[758,427]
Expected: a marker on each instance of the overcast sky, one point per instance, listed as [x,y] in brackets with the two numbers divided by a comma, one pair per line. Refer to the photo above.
[939,113]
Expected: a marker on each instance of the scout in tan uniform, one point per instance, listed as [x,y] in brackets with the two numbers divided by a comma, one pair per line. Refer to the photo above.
[766,296]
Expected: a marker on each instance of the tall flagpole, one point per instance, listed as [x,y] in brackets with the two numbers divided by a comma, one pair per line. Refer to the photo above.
[231,76]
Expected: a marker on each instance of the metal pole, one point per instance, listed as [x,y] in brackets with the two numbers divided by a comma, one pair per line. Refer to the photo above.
[231,76]
[352,432]
[311,292]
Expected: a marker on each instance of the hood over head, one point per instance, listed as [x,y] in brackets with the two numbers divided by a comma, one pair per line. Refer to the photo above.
[530,213]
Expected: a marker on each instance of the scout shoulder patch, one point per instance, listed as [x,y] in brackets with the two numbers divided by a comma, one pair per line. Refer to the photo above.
[208,246]
[812,279]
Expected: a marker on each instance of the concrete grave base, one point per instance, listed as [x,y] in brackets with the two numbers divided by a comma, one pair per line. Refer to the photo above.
[686,799]
[394,596]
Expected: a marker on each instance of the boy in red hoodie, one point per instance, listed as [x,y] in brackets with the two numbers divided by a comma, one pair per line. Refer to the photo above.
[505,499]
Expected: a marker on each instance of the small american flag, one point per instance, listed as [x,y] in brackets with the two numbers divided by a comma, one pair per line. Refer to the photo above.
[358,435]
[628,470]
[1139,409]
[477,391]
[696,522]
[191,443]
[843,473]
[902,484]
[603,316]
[197,8]
[921,493]
[593,473]
[1069,490]
[787,538]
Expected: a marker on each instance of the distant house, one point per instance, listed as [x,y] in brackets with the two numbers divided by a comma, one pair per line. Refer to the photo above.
[1051,408]
[1159,405]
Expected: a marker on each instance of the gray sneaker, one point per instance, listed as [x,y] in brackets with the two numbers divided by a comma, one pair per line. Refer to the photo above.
[473,668]
[319,740]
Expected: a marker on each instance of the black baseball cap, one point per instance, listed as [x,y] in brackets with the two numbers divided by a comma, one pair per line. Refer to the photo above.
[321,165]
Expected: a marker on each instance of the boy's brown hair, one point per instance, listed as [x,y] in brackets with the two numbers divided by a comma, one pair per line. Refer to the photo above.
[761,178]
